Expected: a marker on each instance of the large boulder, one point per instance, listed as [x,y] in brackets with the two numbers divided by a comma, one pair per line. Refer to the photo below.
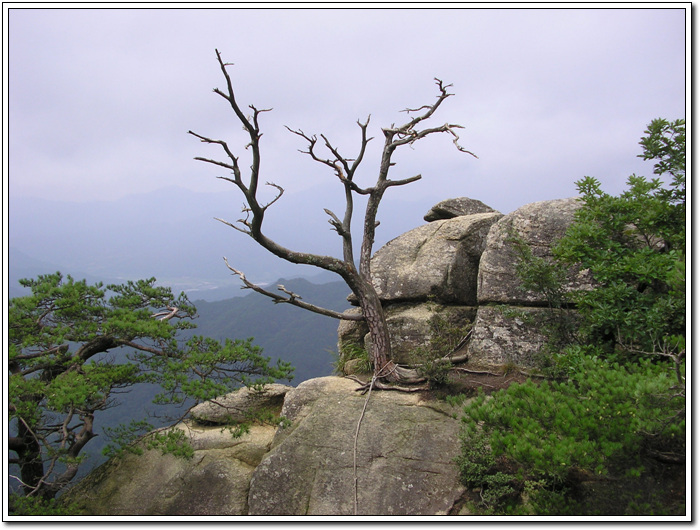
[450,208]
[511,324]
[404,460]
[214,481]
[439,260]
[540,225]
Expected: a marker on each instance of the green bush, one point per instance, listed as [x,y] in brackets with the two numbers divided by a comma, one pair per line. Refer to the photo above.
[36,505]
[634,246]
[432,366]
[540,434]
[619,389]
[63,346]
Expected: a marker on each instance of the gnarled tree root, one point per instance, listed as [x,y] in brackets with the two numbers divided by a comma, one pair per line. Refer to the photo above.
[391,377]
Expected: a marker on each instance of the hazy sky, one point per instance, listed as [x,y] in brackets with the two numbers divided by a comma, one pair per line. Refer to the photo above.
[100,101]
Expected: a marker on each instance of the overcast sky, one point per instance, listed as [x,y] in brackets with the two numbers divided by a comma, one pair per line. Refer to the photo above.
[100,101]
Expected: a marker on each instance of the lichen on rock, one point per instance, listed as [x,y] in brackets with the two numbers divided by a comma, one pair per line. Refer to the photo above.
[405,452]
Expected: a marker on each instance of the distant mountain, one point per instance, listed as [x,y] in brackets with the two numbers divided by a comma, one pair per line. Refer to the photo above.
[21,266]
[283,331]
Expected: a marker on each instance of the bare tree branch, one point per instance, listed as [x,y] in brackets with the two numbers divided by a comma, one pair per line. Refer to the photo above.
[246,232]
[344,168]
[217,163]
[450,130]
[234,160]
[166,315]
[293,299]
[403,181]
[280,190]
[335,222]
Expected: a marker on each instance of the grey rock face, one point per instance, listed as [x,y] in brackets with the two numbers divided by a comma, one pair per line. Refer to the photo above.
[498,336]
[405,452]
[451,208]
[440,259]
[507,334]
[352,331]
[405,462]
[237,406]
[409,326]
[540,225]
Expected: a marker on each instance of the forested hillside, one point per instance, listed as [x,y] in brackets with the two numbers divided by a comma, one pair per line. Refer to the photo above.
[300,337]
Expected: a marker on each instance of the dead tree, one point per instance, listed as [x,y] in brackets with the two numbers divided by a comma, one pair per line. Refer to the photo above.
[358,278]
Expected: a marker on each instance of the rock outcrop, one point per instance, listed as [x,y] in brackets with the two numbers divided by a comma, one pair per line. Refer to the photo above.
[510,320]
[410,326]
[438,260]
[240,405]
[451,208]
[214,481]
[464,261]
[436,264]
[461,264]
[539,225]
[404,462]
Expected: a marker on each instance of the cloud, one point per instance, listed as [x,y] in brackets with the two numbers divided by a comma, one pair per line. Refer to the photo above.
[100,100]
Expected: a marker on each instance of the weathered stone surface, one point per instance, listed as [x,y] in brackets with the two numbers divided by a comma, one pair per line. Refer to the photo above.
[540,225]
[352,331]
[357,367]
[237,406]
[409,326]
[214,482]
[451,208]
[508,334]
[405,452]
[440,259]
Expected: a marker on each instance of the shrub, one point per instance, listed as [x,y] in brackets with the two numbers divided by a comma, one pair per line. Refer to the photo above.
[601,418]
[22,505]
[445,336]
[634,246]
[432,366]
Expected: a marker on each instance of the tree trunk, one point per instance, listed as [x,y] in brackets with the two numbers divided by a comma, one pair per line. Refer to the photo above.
[380,353]
[30,461]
